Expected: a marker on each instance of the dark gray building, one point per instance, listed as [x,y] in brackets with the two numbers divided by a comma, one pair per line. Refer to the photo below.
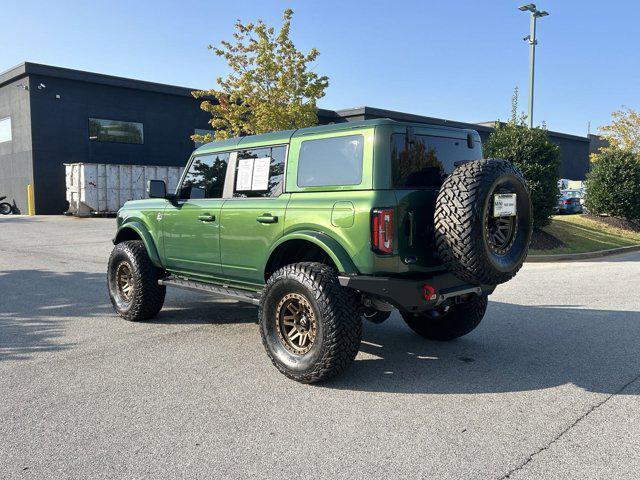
[50,116]
[57,115]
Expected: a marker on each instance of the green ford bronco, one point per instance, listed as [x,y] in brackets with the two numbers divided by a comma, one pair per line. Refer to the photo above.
[324,226]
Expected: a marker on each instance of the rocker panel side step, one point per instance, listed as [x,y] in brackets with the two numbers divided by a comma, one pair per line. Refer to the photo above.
[224,291]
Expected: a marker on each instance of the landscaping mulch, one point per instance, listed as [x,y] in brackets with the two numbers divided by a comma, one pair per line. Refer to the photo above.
[622,223]
[541,240]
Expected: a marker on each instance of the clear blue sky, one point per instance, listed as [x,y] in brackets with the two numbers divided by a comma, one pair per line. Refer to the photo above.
[452,59]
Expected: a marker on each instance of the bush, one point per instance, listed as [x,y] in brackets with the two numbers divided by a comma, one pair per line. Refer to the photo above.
[613,184]
[538,159]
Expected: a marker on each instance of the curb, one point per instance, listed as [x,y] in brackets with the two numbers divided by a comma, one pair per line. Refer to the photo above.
[564,257]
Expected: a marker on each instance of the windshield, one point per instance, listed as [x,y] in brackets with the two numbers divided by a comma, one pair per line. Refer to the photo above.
[572,193]
[428,160]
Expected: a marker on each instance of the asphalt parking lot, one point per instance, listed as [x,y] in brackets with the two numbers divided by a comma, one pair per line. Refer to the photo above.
[547,387]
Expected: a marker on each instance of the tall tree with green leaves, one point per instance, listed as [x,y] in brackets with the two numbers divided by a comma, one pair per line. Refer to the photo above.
[624,131]
[270,85]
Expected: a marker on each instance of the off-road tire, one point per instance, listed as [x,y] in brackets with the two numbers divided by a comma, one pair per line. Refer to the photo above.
[338,322]
[147,297]
[463,210]
[455,322]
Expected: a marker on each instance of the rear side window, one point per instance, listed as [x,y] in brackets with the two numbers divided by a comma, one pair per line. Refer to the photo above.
[260,172]
[427,160]
[331,161]
[205,178]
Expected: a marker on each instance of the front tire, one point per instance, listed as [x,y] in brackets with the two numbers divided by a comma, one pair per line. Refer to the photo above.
[310,325]
[5,208]
[448,323]
[133,282]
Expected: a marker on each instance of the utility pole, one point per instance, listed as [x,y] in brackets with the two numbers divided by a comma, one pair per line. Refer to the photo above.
[531,38]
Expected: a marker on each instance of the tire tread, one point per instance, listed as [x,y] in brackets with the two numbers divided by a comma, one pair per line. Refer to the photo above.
[458,221]
[149,296]
[340,317]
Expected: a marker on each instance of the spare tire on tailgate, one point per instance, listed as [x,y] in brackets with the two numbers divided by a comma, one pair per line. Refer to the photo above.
[478,234]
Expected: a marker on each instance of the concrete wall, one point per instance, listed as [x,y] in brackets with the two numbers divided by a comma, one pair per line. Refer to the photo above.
[61,130]
[16,156]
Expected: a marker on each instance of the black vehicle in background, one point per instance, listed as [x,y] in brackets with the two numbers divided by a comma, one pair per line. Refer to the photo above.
[5,208]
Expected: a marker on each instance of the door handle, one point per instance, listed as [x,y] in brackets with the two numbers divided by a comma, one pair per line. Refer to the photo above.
[207,218]
[267,218]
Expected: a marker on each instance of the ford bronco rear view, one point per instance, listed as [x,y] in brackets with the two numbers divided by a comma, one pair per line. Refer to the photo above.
[325,226]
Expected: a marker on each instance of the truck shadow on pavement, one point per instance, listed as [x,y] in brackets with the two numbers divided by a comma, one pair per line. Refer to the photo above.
[37,307]
[516,348]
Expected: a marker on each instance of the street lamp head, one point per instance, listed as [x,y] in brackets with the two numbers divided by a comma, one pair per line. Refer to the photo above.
[531,7]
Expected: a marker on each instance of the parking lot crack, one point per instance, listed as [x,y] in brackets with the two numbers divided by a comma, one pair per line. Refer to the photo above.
[582,417]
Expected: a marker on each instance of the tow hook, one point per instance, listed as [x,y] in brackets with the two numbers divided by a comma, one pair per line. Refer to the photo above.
[429,293]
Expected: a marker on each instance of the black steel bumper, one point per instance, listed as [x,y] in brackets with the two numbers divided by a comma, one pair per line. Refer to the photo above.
[409,294]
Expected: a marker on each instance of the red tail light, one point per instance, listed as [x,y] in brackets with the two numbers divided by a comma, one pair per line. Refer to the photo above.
[382,230]
[567,202]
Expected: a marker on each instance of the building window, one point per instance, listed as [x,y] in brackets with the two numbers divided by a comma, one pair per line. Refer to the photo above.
[101,130]
[5,129]
[200,131]
[331,161]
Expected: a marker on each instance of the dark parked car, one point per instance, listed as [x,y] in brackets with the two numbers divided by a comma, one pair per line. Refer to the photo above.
[570,201]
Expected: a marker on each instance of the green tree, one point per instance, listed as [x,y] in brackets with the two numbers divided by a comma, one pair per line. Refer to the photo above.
[613,184]
[534,154]
[270,86]
[624,131]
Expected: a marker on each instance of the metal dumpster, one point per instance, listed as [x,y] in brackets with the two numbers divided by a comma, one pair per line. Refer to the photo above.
[99,188]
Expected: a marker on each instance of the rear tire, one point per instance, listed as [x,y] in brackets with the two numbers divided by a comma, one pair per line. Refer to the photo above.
[448,324]
[5,208]
[133,282]
[310,325]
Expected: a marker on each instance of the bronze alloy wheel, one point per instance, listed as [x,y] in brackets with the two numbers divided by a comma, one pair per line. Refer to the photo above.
[124,281]
[296,323]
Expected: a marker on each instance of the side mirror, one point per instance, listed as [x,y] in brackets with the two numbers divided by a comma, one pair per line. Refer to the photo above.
[156,189]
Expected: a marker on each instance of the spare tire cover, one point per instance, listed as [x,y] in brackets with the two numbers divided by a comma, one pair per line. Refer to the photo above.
[477,246]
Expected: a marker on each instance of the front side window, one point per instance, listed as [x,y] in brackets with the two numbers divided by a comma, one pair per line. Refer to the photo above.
[205,178]
[426,161]
[260,172]
[5,129]
[102,130]
[331,161]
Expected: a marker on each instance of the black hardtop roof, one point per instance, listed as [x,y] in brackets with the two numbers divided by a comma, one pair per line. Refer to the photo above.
[286,135]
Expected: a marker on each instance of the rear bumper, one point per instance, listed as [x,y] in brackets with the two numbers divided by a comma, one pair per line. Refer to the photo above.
[409,294]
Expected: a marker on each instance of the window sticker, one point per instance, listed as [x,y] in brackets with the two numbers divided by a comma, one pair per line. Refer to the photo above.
[260,181]
[245,173]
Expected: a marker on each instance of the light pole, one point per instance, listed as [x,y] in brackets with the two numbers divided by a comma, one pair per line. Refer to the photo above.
[531,38]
